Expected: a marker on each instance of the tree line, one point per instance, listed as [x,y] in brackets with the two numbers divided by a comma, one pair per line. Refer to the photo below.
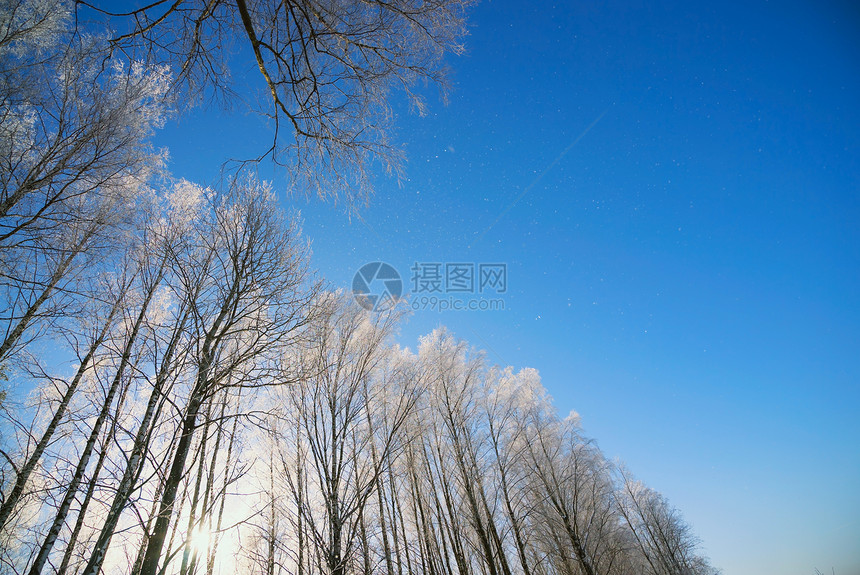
[183,393]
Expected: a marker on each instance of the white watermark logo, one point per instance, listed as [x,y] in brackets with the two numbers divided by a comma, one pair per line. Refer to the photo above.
[377,286]
[436,286]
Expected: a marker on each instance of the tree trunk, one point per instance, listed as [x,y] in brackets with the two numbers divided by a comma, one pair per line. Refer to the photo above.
[15,334]
[138,452]
[168,498]
[82,512]
[125,359]
[11,500]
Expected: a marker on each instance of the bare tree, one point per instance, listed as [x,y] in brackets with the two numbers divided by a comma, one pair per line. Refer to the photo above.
[74,159]
[665,541]
[252,283]
[573,491]
[352,399]
[461,442]
[511,398]
[90,343]
[326,69]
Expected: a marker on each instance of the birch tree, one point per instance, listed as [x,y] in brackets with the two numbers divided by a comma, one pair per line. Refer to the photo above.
[352,399]
[665,541]
[251,277]
[326,70]
[458,389]
[74,159]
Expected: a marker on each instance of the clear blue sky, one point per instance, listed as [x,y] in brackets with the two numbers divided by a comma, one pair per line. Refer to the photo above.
[685,274]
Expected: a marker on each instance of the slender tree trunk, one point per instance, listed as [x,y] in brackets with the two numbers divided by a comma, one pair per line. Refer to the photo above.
[516,527]
[210,564]
[208,491]
[195,498]
[71,492]
[14,496]
[82,512]
[491,527]
[397,513]
[386,550]
[452,523]
[138,453]
[420,525]
[168,498]
[448,532]
[193,523]
[578,548]
[365,544]
[300,528]
[14,335]
[471,498]
[272,534]
[151,516]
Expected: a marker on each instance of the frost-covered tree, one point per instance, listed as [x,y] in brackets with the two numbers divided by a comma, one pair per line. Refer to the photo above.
[665,541]
[74,160]
[343,425]
[249,274]
[510,400]
[220,412]
[326,70]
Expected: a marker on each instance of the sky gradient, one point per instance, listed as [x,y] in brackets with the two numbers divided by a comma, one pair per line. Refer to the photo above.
[674,190]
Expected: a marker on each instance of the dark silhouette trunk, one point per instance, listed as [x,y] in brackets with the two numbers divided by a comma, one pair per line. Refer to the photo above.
[168,498]
[138,453]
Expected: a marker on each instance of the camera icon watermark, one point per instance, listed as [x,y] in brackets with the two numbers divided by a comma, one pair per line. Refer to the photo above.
[377,286]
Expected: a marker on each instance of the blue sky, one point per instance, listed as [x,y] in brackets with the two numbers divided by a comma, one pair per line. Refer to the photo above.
[674,190]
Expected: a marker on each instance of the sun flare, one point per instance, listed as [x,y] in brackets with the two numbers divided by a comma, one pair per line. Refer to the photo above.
[199,541]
